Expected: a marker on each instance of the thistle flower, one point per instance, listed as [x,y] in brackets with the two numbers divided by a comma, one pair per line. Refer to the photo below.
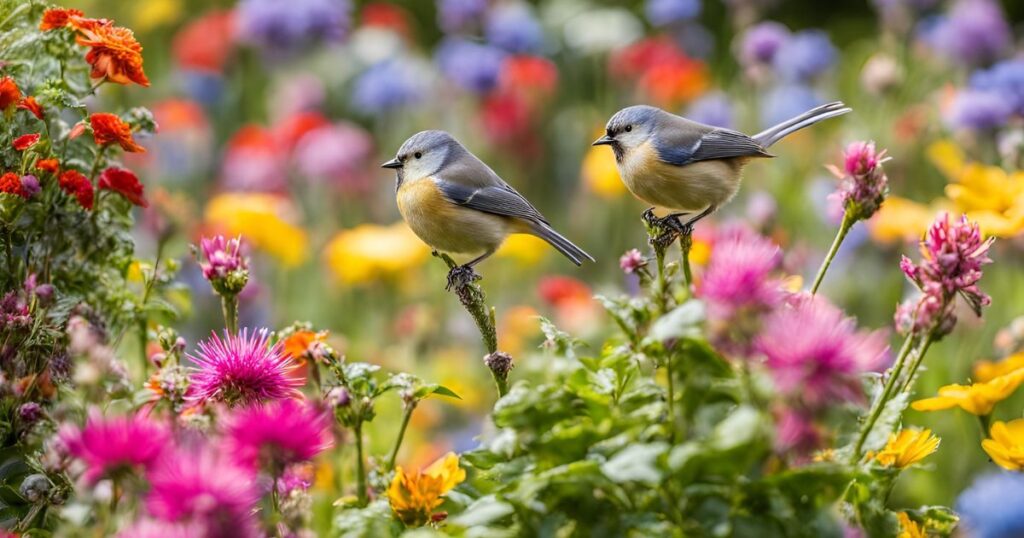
[414,497]
[1006,444]
[990,508]
[242,369]
[203,487]
[816,354]
[864,184]
[224,267]
[154,528]
[907,447]
[110,446]
[277,434]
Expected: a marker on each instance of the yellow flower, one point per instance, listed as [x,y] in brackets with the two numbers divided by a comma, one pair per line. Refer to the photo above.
[150,14]
[1006,446]
[907,448]
[526,248]
[700,252]
[265,221]
[909,528]
[600,174]
[414,497]
[989,370]
[976,399]
[900,219]
[369,251]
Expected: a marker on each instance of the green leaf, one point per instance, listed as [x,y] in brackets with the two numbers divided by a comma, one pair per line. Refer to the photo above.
[887,422]
[434,388]
[636,463]
[484,511]
[682,322]
[742,427]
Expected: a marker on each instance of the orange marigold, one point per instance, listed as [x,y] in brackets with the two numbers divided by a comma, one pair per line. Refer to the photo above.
[110,129]
[30,104]
[77,185]
[9,93]
[115,54]
[48,165]
[58,18]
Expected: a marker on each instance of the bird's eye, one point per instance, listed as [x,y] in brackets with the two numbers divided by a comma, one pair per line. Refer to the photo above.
[629,128]
[417,155]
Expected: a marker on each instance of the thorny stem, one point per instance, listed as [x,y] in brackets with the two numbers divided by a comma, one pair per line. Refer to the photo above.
[360,466]
[229,304]
[879,404]
[401,433]
[844,228]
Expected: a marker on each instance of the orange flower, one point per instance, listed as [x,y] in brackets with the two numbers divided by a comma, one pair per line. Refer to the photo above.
[297,345]
[24,142]
[125,183]
[48,165]
[206,42]
[9,93]
[30,104]
[109,129]
[59,18]
[115,55]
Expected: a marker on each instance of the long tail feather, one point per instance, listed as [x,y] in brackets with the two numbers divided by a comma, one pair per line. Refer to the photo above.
[561,244]
[773,134]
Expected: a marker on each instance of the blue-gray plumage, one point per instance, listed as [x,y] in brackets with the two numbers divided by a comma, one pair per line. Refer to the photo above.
[455,203]
[672,162]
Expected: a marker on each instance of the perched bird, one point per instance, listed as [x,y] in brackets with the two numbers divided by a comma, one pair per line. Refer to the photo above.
[455,203]
[685,166]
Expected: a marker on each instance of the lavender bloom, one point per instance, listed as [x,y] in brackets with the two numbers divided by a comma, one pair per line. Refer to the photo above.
[471,66]
[761,42]
[1005,79]
[456,15]
[666,12]
[513,28]
[337,153]
[30,184]
[242,369]
[30,412]
[990,508]
[386,86]
[281,28]
[225,266]
[804,56]
[713,108]
[979,110]
[787,101]
[972,33]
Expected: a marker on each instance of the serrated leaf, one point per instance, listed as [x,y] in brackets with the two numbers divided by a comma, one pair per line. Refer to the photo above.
[682,322]
[887,422]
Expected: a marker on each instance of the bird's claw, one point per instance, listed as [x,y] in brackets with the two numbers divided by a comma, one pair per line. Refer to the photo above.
[460,277]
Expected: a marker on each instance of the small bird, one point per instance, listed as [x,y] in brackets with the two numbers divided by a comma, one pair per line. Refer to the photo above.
[455,203]
[685,166]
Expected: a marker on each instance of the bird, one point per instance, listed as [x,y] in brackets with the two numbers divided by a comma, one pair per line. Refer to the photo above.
[685,166]
[457,204]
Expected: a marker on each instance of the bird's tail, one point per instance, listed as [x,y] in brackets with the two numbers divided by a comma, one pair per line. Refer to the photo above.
[557,240]
[773,134]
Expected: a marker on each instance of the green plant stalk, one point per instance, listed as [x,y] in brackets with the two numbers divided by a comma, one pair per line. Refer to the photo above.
[918,358]
[360,465]
[661,283]
[671,399]
[229,304]
[401,433]
[685,245]
[883,398]
[844,228]
[143,319]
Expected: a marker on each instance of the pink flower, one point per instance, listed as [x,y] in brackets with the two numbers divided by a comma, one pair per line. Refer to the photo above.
[204,488]
[108,446]
[795,432]
[631,261]
[816,354]
[224,266]
[864,185]
[153,528]
[277,434]
[242,369]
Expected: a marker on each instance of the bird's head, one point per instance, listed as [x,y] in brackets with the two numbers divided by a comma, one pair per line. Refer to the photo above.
[423,154]
[629,128]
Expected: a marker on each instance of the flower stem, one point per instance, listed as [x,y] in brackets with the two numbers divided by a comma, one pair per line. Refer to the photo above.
[360,465]
[882,399]
[660,283]
[918,358]
[229,304]
[685,244]
[671,399]
[401,433]
[844,228]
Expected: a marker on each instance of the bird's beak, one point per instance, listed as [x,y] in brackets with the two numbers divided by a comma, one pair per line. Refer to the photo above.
[393,163]
[604,141]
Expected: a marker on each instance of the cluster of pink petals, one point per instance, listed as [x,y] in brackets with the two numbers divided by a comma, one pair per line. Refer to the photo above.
[277,434]
[864,183]
[222,257]
[242,369]
[113,444]
[739,273]
[816,354]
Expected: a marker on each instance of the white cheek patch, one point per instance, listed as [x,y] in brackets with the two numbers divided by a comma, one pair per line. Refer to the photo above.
[427,165]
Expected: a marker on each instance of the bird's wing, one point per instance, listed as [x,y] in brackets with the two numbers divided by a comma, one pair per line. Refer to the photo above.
[685,142]
[497,199]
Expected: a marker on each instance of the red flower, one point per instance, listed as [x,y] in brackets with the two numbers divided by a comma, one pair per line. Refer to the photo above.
[204,44]
[530,73]
[110,129]
[77,185]
[24,142]
[48,165]
[30,104]
[58,18]
[9,93]
[125,183]
[387,16]
[10,183]
[559,290]
[294,127]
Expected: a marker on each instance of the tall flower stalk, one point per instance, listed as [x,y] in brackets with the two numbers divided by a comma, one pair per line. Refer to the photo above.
[228,272]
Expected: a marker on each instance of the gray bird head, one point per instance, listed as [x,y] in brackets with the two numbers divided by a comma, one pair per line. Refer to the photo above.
[629,128]
[423,154]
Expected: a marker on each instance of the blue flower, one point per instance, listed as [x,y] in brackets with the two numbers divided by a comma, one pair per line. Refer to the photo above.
[712,109]
[979,109]
[513,28]
[991,507]
[281,28]
[785,102]
[972,33]
[804,56]
[472,66]
[666,12]
[1005,78]
[456,15]
[387,85]
[761,41]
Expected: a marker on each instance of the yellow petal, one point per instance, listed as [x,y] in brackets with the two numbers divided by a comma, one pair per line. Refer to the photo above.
[937,403]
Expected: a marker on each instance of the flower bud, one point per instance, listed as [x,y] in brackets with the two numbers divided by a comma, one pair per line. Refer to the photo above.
[35,488]
[338,397]
[631,261]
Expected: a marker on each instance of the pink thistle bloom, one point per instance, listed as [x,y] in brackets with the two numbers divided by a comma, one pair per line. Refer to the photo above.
[816,354]
[631,261]
[277,434]
[864,184]
[153,528]
[224,266]
[109,446]
[242,369]
[203,488]
[795,432]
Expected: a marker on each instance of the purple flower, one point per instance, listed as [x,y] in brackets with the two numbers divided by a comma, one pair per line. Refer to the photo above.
[282,28]
[713,108]
[14,312]
[804,56]
[972,33]
[666,12]
[761,42]
[631,261]
[30,412]
[1005,79]
[108,446]
[456,15]
[297,477]
[277,434]
[513,28]
[337,153]
[30,184]
[990,508]
[204,488]
[469,65]
[787,101]
[979,110]
[242,369]
[224,265]
[864,184]
[816,354]
[388,85]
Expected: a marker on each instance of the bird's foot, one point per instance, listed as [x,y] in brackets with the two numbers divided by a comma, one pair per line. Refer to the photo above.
[649,218]
[460,277]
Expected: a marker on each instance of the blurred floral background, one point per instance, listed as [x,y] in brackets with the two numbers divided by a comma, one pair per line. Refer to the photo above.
[273,118]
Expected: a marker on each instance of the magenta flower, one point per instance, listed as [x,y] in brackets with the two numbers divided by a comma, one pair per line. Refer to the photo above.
[864,184]
[242,369]
[631,261]
[224,266]
[204,488]
[153,528]
[277,434]
[816,354]
[109,446]
[795,432]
